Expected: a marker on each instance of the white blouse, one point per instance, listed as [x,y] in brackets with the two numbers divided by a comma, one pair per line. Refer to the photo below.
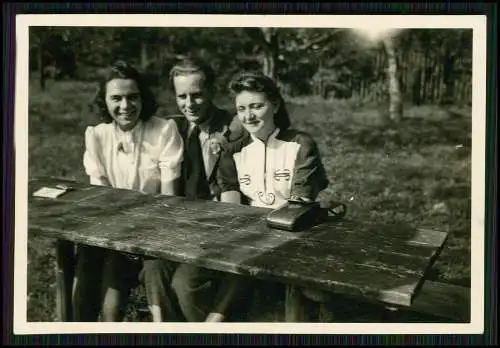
[140,159]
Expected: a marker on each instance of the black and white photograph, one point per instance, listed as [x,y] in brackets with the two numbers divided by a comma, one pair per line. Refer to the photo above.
[250,174]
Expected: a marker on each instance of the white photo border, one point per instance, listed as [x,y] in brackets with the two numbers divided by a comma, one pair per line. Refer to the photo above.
[475,22]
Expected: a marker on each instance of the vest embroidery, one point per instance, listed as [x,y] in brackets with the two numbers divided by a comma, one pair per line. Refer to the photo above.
[267,198]
[282,174]
[245,180]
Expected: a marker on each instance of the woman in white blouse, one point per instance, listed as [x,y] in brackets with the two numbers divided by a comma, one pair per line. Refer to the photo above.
[131,149]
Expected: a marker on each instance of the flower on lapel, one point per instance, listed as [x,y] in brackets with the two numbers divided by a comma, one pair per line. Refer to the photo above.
[218,141]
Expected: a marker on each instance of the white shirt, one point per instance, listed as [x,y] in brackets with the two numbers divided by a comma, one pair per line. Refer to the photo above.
[140,159]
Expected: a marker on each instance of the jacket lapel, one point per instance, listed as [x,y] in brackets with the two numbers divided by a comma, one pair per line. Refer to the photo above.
[219,119]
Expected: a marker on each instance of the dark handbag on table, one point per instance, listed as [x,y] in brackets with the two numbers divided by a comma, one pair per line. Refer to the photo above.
[298,214]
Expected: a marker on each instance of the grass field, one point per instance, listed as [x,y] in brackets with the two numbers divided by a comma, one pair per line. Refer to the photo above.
[417,173]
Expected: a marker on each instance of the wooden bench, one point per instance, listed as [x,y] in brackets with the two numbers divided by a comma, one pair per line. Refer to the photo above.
[378,263]
[442,300]
[436,302]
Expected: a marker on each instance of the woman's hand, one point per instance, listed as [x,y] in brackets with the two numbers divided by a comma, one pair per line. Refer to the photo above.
[102,181]
[170,188]
[231,197]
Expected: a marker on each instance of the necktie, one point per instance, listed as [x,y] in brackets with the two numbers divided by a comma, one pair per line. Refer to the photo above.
[196,181]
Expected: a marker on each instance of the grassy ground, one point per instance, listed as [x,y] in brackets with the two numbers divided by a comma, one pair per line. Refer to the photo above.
[416,173]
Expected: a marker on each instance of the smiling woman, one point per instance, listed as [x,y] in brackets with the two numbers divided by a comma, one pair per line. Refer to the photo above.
[290,165]
[270,166]
[135,150]
[124,103]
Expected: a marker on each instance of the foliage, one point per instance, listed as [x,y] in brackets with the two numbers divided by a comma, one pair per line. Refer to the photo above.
[329,62]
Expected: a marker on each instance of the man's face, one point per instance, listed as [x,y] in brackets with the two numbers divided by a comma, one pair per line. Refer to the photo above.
[192,97]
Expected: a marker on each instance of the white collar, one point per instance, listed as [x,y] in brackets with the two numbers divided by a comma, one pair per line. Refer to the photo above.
[128,136]
[271,137]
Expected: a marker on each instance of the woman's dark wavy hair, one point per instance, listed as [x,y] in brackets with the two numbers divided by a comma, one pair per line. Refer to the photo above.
[190,64]
[258,82]
[124,70]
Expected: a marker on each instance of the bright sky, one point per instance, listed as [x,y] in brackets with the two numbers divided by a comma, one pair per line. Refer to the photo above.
[375,33]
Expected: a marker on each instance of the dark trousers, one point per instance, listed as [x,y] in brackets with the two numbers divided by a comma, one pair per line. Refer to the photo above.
[100,272]
[199,290]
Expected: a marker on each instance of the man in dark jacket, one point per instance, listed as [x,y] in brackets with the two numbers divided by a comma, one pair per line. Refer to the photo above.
[205,129]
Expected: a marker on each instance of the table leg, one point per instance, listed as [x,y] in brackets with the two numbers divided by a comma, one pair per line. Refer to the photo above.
[294,304]
[65,264]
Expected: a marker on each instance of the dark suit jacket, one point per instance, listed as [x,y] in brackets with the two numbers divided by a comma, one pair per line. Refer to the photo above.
[220,119]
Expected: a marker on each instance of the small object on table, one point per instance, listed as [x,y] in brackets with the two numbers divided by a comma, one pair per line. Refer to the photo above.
[299,214]
[51,192]
[296,215]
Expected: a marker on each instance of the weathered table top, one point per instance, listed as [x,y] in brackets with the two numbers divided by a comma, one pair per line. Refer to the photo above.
[378,262]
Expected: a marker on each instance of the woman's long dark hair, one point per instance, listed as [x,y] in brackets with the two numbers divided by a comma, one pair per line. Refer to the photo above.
[258,82]
[124,70]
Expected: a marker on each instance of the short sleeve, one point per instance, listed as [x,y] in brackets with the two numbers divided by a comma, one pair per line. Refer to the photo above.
[171,152]
[227,174]
[92,161]
[309,173]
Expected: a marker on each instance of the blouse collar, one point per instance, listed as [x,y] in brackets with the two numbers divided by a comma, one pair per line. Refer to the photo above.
[271,137]
[125,139]
[130,133]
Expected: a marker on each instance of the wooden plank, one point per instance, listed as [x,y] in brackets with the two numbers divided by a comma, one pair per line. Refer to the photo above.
[382,262]
[221,238]
[251,220]
[101,195]
[348,231]
[288,259]
[214,214]
[399,239]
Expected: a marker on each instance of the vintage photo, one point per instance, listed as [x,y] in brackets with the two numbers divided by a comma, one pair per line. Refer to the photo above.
[250,175]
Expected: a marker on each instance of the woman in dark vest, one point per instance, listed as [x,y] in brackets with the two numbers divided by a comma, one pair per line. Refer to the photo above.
[272,163]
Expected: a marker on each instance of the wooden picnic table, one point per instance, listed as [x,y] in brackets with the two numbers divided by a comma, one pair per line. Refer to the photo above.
[386,264]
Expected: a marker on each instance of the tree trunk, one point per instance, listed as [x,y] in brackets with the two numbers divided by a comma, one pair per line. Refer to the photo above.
[404,73]
[395,103]
[269,65]
[437,81]
[448,80]
[40,65]
[432,80]
[423,78]
[144,56]
[271,50]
